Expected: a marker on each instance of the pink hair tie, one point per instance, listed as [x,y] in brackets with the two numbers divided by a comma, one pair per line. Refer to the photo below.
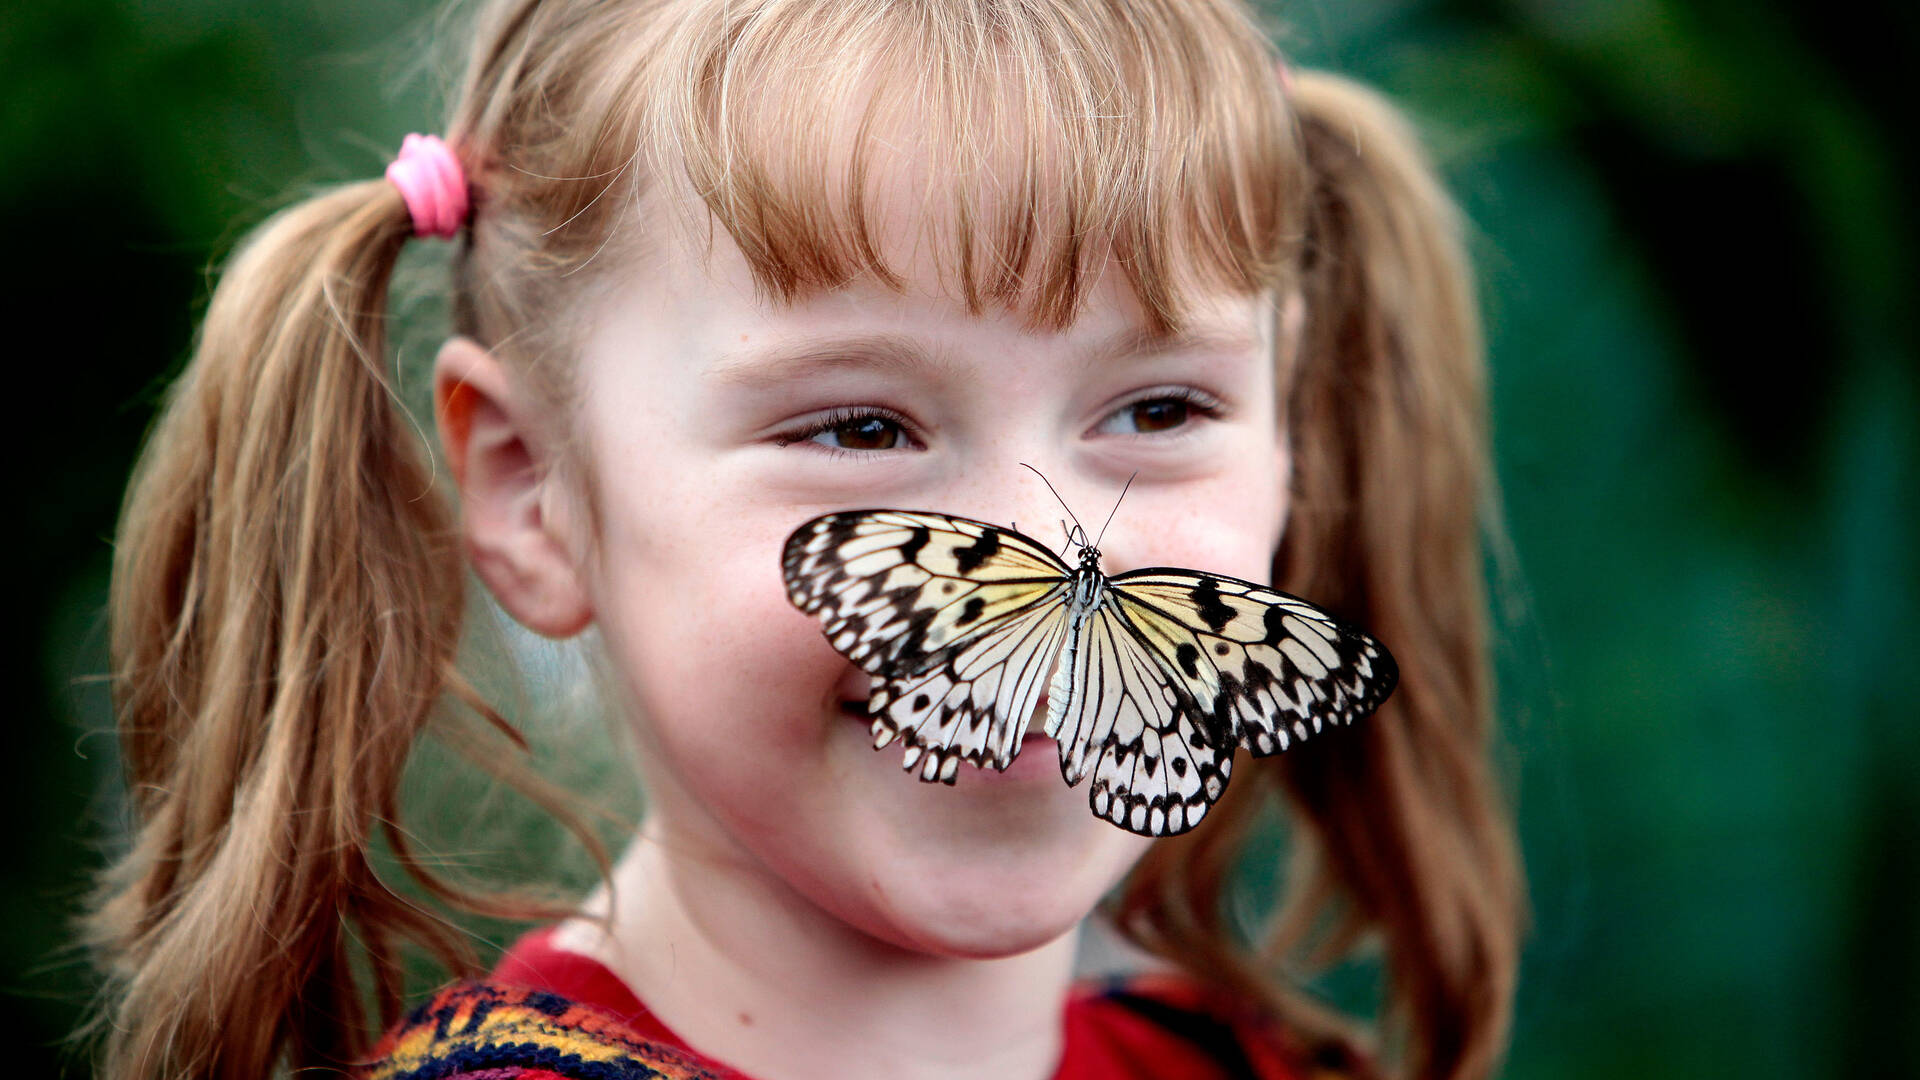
[431,183]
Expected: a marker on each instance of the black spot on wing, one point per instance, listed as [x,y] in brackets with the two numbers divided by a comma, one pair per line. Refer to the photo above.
[910,548]
[970,611]
[1189,658]
[970,557]
[840,527]
[1208,605]
[909,652]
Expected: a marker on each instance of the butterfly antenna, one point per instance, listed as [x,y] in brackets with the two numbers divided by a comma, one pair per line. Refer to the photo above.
[1056,493]
[1115,510]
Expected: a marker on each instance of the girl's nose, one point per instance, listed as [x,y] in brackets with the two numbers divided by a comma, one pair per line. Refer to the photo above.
[1009,494]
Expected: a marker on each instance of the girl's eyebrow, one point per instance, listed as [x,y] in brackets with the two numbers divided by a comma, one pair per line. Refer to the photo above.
[1136,343]
[810,355]
[898,353]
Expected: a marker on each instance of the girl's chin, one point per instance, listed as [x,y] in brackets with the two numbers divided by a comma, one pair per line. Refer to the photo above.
[982,896]
[996,864]
[975,920]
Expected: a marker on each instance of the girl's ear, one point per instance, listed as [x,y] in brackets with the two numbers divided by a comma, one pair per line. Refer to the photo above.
[498,462]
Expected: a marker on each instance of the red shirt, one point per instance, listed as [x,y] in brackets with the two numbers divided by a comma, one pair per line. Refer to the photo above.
[547,1014]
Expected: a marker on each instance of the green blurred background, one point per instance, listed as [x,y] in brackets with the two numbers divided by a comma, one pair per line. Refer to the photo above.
[1696,240]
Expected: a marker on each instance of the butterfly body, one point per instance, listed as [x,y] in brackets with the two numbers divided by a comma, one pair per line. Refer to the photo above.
[1089,585]
[1160,672]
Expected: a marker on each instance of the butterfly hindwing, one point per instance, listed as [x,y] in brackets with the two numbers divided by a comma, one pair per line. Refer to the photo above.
[956,620]
[1156,769]
[972,705]
[1268,667]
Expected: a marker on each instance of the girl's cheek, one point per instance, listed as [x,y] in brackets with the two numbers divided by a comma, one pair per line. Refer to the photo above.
[1232,530]
[716,640]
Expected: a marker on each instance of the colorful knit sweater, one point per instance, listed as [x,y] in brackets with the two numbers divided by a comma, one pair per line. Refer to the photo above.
[548,1014]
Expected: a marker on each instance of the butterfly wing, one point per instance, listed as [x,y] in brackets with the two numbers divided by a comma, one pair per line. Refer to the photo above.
[1157,762]
[1267,667]
[958,621]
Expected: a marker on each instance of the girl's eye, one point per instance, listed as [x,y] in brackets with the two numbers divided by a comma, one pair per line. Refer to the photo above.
[1162,412]
[852,430]
[865,433]
[1158,414]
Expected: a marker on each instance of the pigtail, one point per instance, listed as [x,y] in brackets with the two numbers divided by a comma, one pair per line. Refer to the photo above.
[1408,814]
[285,609]
[1407,837]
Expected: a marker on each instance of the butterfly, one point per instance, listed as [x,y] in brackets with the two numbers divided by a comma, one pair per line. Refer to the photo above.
[1161,672]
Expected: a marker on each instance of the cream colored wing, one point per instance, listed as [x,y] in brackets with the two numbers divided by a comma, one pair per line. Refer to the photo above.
[957,620]
[1267,667]
[1157,766]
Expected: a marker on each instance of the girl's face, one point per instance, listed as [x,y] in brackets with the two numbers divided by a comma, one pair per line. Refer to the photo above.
[717,424]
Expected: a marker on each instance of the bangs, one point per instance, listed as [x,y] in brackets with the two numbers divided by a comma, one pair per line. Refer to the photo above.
[1032,137]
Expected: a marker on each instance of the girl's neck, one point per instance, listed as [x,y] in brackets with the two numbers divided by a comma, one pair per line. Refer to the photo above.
[748,972]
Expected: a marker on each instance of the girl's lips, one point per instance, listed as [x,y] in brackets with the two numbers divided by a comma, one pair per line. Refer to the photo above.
[1038,754]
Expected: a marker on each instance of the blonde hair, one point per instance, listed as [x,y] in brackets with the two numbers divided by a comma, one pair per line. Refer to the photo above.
[286,598]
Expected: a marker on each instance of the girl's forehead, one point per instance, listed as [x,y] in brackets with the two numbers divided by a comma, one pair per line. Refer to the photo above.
[705,286]
[869,212]
[707,324]
[704,281]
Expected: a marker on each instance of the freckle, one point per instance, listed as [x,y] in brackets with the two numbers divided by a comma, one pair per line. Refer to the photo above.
[745,1020]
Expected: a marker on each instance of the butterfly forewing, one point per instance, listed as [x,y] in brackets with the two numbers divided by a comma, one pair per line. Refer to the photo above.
[893,587]
[1268,667]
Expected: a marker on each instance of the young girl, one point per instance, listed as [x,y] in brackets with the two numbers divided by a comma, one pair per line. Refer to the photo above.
[723,266]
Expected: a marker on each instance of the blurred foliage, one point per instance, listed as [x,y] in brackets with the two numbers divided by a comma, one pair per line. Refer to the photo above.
[1697,242]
